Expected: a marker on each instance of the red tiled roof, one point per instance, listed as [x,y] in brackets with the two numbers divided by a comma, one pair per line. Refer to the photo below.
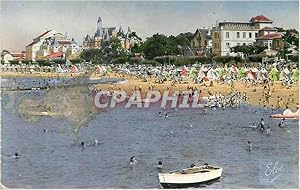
[270,36]
[17,54]
[55,55]
[259,18]
[44,33]
[268,28]
[64,42]
[39,37]
[31,43]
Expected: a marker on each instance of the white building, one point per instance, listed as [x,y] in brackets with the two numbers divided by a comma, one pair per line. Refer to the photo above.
[236,34]
[231,34]
[51,42]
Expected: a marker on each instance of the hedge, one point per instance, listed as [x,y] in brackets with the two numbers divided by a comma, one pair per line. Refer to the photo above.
[14,62]
[255,58]
[294,58]
[191,60]
[150,62]
[26,61]
[43,62]
[227,59]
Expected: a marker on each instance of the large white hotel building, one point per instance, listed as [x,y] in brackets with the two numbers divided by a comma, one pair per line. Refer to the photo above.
[230,34]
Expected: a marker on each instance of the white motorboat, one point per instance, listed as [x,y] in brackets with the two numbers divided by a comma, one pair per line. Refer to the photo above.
[190,176]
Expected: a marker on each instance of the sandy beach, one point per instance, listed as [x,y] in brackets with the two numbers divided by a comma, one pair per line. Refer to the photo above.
[290,96]
[255,93]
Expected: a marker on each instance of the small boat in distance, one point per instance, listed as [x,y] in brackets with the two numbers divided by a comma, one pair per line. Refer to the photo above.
[190,177]
[287,114]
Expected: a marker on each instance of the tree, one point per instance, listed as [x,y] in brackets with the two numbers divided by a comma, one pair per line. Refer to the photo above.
[136,48]
[248,49]
[161,45]
[291,37]
[283,52]
[111,50]
[91,55]
[155,46]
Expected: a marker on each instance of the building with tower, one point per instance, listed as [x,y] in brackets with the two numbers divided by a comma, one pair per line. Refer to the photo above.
[128,39]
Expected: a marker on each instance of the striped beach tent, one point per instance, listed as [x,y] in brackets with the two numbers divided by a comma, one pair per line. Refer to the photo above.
[295,74]
[274,74]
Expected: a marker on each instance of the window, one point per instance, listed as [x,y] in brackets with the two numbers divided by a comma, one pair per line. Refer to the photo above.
[250,35]
[216,35]
[227,45]
[227,34]
[238,44]
[244,44]
[238,35]
[255,34]
[244,34]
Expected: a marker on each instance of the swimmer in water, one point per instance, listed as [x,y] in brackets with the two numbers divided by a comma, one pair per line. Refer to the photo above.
[205,110]
[159,114]
[159,165]
[253,126]
[281,124]
[268,132]
[16,156]
[132,161]
[82,145]
[262,124]
[166,115]
[249,146]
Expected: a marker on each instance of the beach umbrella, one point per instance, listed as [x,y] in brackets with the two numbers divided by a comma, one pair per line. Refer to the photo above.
[193,73]
[184,71]
[211,74]
[242,73]
[74,69]
[98,69]
[273,75]
[284,74]
[295,74]
[108,69]
[252,73]
[221,72]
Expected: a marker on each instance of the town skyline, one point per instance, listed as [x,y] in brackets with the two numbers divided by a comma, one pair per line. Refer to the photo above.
[146,18]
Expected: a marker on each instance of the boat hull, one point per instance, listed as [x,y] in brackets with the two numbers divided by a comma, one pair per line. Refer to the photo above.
[185,185]
[287,116]
[177,179]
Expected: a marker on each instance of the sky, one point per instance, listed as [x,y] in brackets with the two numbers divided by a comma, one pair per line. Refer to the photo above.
[21,21]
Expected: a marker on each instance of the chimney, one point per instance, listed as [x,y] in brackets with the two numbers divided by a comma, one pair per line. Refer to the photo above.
[209,31]
[217,23]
